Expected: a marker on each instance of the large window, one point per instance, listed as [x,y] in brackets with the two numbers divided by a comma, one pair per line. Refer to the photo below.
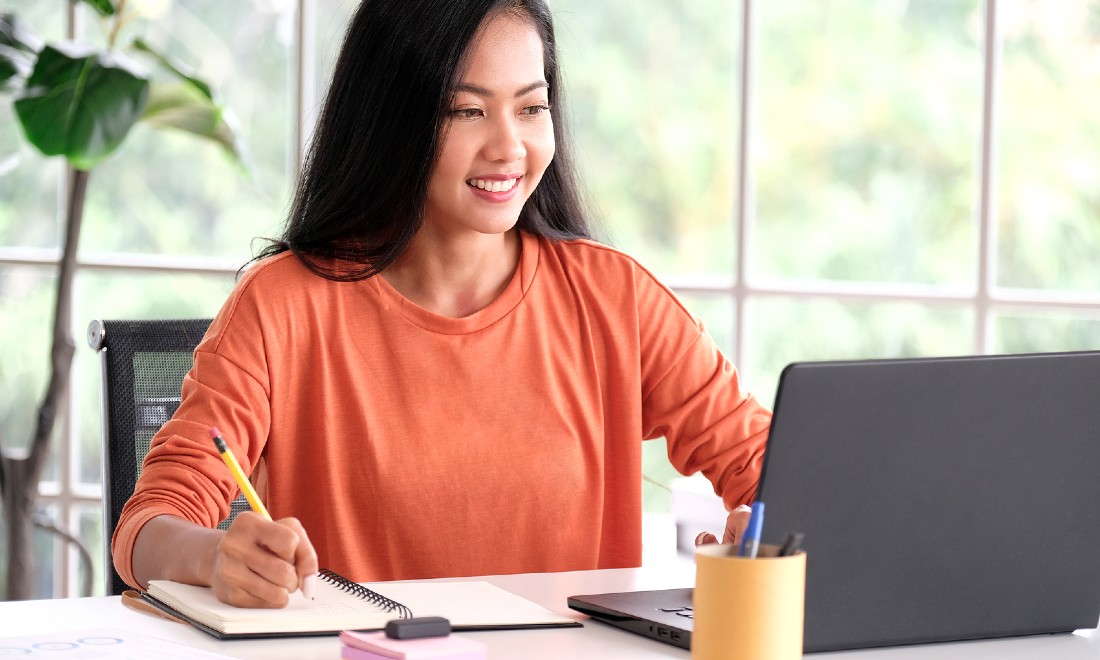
[817,180]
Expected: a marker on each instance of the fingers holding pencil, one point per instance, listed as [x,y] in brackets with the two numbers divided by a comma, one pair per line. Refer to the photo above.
[255,563]
[261,561]
[304,559]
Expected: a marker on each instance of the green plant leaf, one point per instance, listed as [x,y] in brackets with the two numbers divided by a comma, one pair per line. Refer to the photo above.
[18,47]
[80,103]
[15,65]
[104,7]
[185,107]
[140,45]
[15,32]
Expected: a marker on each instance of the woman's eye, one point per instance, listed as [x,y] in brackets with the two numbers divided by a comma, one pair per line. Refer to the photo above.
[466,113]
[534,110]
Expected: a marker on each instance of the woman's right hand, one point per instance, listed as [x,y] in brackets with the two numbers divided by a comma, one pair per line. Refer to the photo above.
[736,523]
[259,563]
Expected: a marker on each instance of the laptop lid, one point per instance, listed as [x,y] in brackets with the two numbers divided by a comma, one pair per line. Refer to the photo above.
[941,499]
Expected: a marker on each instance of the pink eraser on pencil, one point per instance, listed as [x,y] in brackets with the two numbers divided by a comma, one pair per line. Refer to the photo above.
[214,432]
[376,645]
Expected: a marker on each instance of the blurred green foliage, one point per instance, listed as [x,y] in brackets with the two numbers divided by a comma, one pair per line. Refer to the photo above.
[653,99]
[1048,202]
[869,125]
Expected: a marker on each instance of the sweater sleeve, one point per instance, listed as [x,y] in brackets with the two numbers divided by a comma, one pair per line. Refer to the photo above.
[692,396]
[183,475]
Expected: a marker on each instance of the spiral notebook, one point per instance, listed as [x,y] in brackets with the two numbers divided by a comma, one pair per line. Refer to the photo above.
[340,604]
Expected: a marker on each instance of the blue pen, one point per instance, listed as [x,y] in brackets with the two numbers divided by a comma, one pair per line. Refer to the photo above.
[750,542]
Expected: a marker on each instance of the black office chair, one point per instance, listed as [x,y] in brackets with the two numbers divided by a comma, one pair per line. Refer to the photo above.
[144,363]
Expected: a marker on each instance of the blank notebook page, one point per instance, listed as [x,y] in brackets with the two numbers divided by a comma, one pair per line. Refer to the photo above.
[468,603]
[332,609]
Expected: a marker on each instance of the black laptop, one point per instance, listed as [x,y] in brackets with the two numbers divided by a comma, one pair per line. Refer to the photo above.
[941,499]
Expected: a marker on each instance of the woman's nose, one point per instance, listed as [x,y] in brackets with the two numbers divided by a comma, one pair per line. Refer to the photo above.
[505,142]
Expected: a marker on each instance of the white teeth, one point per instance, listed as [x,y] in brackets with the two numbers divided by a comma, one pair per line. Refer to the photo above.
[493,186]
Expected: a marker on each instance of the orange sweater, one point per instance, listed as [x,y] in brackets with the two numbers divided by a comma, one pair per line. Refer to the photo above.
[412,445]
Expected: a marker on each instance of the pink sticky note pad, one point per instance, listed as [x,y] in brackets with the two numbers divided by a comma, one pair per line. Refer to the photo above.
[376,646]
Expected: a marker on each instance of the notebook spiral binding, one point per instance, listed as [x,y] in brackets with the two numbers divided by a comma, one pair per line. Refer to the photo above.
[359,590]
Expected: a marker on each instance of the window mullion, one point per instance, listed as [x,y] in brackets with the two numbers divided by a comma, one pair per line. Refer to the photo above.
[987,228]
[745,213]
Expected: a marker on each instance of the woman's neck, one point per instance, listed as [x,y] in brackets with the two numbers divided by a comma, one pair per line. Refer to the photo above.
[455,277]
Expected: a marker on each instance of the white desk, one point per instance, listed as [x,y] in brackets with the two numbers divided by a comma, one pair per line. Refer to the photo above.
[594,640]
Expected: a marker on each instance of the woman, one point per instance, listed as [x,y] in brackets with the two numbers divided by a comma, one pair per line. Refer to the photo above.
[435,372]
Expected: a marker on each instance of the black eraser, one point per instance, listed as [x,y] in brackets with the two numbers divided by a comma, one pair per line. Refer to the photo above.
[423,626]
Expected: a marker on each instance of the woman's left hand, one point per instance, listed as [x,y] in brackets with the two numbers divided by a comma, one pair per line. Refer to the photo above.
[736,522]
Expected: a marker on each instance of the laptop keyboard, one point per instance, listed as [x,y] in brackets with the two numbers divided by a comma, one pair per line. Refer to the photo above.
[686,612]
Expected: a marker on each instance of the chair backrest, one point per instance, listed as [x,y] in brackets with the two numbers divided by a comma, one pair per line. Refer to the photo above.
[143,365]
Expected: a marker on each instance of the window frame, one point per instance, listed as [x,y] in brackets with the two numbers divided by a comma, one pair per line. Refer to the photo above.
[985,300]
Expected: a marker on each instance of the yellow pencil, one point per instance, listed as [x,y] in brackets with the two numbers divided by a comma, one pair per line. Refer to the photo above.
[238,474]
[307,586]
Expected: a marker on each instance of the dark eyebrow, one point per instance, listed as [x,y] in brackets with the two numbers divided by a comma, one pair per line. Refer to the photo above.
[482,91]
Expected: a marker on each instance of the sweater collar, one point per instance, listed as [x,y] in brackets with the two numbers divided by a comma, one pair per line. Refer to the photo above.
[503,305]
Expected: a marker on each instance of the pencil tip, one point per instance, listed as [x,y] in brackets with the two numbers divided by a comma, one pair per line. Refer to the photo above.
[309,586]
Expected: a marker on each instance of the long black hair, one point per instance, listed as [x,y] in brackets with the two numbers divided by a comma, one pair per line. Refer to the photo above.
[361,195]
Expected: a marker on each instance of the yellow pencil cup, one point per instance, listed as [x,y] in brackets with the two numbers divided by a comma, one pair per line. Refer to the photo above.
[748,609]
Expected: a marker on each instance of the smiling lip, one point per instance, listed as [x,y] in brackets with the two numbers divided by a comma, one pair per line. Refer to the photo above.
[482,185]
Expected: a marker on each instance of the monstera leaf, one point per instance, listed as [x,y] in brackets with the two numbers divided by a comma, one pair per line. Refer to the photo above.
[14,64]
[187,104]
[15,32]
[182,106]
[80,103]
[18,48]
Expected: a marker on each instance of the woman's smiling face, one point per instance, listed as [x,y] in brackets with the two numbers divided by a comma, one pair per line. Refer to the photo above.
[498,138]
